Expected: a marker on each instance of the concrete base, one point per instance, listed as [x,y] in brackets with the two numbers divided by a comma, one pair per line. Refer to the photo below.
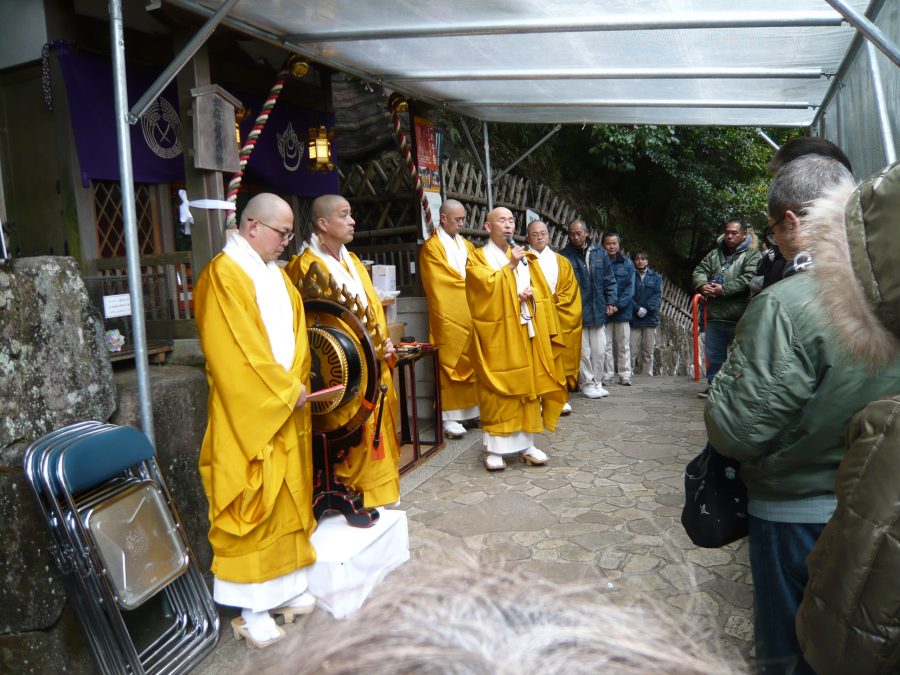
[351,561]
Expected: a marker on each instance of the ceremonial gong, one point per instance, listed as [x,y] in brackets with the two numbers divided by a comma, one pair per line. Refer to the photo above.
[344,352]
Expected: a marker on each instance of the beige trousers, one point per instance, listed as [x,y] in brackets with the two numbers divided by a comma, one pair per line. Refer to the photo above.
[618,340]
[643,342]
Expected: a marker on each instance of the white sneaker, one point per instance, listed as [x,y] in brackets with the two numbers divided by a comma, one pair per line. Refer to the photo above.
[593,391]
[453,429]
[534,457]
[566,409]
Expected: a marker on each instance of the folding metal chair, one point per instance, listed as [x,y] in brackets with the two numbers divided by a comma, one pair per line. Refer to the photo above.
[122,549]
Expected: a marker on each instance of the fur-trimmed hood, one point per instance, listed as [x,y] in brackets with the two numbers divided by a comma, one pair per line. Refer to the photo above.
[853,234]
[749,244]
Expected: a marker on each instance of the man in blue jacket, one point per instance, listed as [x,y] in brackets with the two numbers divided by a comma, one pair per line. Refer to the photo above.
[647,299]
[598,300]
[618,331]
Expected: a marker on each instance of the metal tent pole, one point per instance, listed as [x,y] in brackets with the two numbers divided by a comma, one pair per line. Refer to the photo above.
[558,73]
[465,128]
[185,55]
[869,30]
[126,180]
[768,139]
[487,167]
[884,120]
[528,152]
[544,24]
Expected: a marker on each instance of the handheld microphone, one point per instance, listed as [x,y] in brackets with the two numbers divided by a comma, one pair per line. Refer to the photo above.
[513,244]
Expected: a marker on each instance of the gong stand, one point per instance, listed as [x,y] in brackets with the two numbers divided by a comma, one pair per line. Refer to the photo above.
[329,492]
[330,309]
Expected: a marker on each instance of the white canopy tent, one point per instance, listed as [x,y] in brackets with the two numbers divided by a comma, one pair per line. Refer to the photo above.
[694,62]
[685,62]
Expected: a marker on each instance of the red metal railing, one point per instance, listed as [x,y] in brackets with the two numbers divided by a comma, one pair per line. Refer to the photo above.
[695,319]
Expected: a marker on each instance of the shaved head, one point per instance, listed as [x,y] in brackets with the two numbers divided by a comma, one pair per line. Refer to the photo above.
[452,217]
[267,223]
[501,224]
[537,235]
[265,207]
[325,205]
[451,205]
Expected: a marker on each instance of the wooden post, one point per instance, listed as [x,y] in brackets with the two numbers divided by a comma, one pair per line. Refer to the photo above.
[208,230]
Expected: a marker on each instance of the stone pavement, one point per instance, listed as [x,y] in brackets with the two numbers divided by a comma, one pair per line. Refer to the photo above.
[605,508]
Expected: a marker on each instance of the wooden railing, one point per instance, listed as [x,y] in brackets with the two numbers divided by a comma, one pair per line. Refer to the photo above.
[402,256]
[676,305]
[175,269]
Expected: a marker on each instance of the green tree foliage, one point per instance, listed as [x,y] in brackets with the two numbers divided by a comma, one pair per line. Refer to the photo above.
[666,189]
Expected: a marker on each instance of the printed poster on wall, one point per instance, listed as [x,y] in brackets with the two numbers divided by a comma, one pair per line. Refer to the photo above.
[428,154]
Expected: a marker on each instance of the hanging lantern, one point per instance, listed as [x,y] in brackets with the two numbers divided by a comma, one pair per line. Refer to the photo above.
[319,144]
[240,115]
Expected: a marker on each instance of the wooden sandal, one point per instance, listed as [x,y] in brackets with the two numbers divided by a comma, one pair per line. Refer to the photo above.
[289,613]
[241,632]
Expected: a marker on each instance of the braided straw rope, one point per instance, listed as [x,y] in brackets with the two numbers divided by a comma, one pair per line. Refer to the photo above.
[411,166]
[234,185]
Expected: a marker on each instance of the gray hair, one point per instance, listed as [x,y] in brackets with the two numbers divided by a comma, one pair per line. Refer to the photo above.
[465,618]
[802,180]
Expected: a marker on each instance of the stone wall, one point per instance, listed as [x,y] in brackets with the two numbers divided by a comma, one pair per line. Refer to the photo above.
[674,349]
[55,370]
[178,396]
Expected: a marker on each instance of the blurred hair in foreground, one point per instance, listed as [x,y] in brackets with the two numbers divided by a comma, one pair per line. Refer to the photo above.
[462,617]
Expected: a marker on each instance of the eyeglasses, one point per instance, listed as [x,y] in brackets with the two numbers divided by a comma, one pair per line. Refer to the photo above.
[286,235]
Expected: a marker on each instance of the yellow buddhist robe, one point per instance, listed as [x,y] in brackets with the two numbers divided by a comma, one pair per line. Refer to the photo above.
[519,389]
[256,457]
[567,300]
[449,324]
[377,480]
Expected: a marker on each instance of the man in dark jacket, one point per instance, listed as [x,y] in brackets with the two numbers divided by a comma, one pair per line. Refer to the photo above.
[647,299]
[723,277]
[598,300]
[781,405]
[618,327]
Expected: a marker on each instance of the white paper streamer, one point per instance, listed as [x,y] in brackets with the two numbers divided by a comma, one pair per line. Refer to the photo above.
[184,211]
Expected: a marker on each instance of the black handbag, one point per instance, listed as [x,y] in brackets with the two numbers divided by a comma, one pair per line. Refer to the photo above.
[715,500]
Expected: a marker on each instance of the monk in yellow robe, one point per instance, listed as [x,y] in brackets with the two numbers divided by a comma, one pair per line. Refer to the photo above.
[442,268]
[566,300]
[256,457]
[514,328]
[377,479]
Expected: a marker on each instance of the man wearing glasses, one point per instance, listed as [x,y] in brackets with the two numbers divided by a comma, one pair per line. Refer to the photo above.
[376,479]
[782,402]
[256,457]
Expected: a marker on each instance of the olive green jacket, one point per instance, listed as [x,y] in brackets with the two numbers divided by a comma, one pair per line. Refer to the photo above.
[848,621]
[782,401]
[737,278]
